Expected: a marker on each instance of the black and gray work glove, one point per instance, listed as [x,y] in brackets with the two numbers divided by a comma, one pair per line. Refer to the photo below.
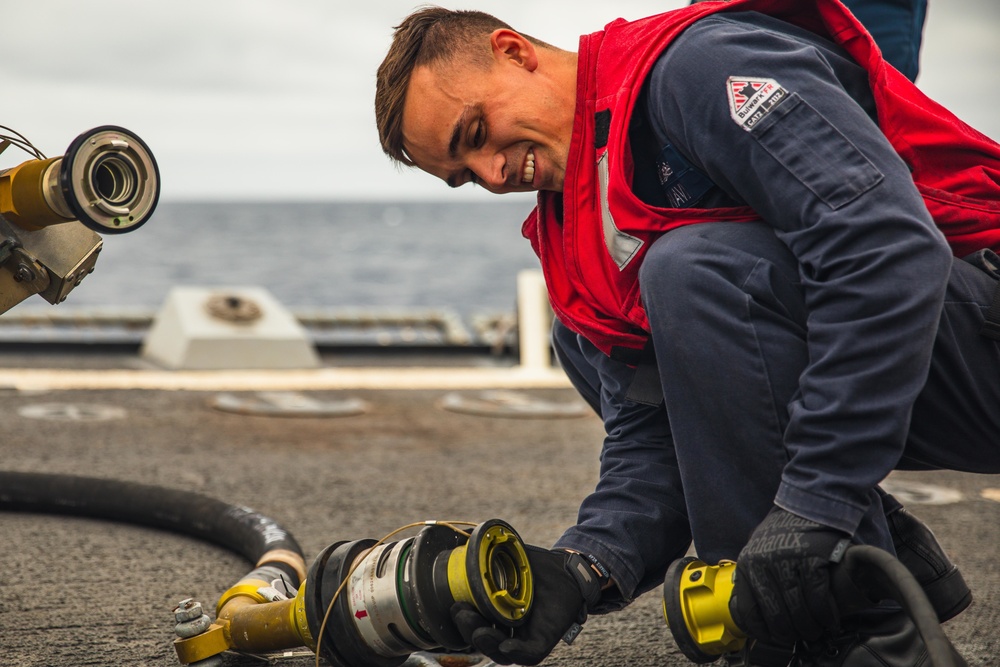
[564,587]
[782,588]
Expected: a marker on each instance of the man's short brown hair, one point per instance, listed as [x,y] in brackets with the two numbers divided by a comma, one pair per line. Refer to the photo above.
[427,36]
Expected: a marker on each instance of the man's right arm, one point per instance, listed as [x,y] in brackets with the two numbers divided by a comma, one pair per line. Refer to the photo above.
[635,521]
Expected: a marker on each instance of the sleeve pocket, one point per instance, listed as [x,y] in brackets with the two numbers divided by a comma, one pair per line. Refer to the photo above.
[816,153]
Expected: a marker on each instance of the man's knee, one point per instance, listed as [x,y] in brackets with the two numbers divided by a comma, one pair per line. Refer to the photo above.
[694,261]
[672,262]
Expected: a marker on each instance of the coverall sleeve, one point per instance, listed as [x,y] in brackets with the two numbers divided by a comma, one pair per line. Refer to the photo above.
[813,164]
[634,521]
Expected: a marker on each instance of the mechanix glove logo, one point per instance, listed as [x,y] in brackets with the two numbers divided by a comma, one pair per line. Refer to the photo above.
[750,99]
[782,590]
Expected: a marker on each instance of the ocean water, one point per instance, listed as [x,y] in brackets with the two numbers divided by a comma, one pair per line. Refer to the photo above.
[405,255]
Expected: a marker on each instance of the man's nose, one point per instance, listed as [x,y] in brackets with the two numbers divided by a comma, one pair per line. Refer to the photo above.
[490,170]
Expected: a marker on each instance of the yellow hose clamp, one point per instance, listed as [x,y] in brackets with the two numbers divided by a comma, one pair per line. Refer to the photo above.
[299,618]
[246,587]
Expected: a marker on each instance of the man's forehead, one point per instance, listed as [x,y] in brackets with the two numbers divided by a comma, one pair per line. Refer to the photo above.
[433,115]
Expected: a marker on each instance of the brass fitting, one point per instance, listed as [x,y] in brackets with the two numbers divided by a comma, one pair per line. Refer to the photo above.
[248,621]
[30,197]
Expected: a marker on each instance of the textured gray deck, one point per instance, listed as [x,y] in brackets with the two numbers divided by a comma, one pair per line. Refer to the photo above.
[85,592]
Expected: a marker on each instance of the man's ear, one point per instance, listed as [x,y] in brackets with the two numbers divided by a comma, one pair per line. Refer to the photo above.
[513,47]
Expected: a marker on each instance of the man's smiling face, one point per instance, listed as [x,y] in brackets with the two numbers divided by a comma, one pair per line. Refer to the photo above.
[506,127]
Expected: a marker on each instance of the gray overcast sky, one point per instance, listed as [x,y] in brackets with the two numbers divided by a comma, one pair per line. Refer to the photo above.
[272,99]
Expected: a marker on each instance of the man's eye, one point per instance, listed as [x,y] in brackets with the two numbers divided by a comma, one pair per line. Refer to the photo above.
[479,136]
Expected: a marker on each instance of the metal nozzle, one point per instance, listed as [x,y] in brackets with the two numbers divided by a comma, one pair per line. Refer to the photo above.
[107,179]
[397,597]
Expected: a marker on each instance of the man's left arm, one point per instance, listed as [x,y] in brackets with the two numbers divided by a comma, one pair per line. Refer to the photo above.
[782,122]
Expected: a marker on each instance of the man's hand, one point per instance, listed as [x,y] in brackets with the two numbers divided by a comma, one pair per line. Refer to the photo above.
[564,585]
[782,585]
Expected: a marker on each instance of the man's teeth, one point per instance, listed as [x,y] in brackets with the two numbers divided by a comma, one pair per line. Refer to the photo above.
[529,168]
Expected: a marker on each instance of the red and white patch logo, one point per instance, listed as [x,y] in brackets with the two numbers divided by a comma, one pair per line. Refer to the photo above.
[751,99]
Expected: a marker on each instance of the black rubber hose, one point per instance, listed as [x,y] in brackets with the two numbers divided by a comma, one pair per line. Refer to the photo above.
[880,576]
[235,528]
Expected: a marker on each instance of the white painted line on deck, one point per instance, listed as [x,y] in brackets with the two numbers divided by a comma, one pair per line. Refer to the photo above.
[912,493]
[991,494]
[31,379]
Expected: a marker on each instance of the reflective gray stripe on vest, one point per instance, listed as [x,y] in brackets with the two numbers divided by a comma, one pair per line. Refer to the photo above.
[621,246]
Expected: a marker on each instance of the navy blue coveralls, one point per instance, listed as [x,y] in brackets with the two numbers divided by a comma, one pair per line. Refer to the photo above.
[800,359]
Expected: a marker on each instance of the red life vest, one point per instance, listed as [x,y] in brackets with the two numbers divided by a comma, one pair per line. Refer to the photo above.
[592,248]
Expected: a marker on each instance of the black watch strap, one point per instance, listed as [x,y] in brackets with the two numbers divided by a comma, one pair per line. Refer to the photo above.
[590,575]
